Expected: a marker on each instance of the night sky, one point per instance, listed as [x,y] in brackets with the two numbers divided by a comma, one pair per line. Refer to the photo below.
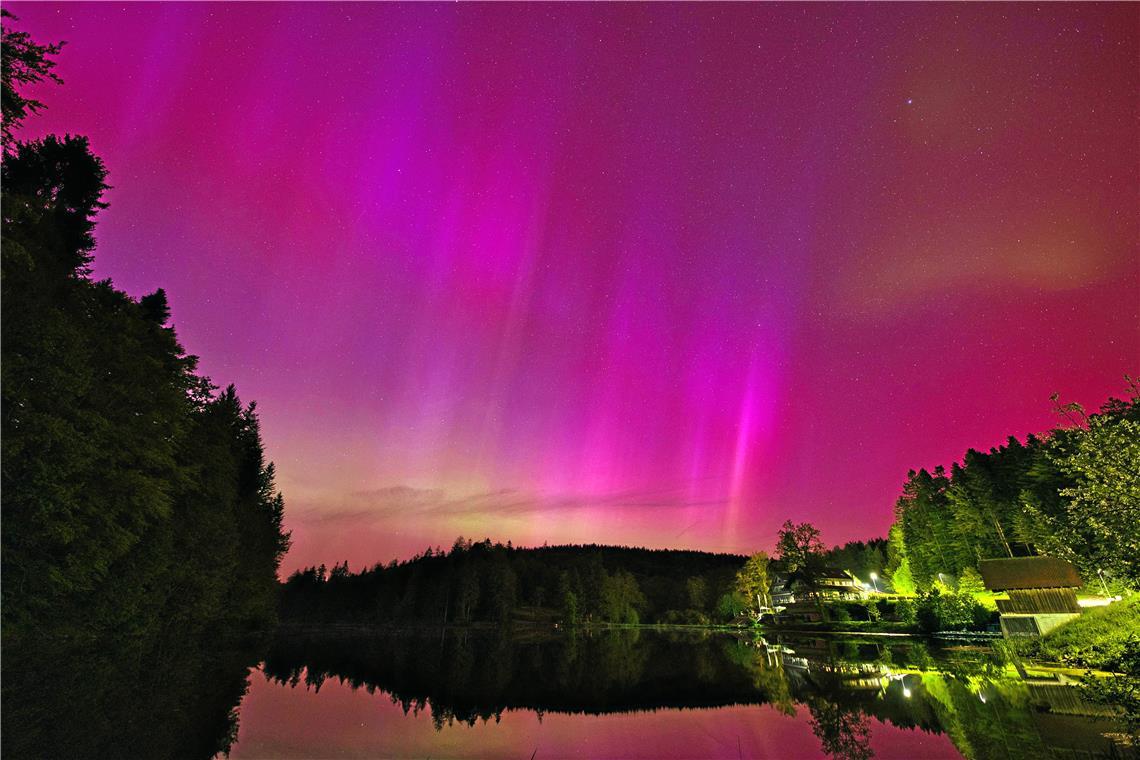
[659,275]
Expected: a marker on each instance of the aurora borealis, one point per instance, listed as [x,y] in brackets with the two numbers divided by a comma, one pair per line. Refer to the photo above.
[662,275]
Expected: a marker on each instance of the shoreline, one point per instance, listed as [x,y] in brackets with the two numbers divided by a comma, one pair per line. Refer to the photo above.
[530,626]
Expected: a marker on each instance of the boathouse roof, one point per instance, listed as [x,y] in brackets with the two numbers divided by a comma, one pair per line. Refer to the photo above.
[1028,573]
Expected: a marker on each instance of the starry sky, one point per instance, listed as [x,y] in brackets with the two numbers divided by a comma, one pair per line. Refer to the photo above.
[662,275]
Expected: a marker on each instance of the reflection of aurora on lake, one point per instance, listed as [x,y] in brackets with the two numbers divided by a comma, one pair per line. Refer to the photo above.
[640,693]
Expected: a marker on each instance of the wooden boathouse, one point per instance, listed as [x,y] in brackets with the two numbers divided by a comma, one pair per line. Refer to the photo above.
[1042,593]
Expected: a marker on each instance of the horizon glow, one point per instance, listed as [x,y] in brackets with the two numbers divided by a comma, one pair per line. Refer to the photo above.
[657,275]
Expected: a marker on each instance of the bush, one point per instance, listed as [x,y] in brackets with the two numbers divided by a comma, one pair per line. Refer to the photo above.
[839,614]
[731,606]
[937,611]
[684,617]
[970,582]
[1120,690]
[906,611]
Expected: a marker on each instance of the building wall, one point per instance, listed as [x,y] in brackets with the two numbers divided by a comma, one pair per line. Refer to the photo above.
[1018,625]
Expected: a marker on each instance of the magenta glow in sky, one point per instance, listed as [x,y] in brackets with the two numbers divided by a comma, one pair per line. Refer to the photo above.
[647,274]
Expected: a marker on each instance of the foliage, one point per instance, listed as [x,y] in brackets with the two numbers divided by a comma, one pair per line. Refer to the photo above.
[970,582]
[621,598]
[23,63]
[923,510]
[862,558]
[684,617]
[140,518]
[752,581]
[1120,690]
[799,546]
[906,611]
[1073,493]
[897,570]
[698,591]
[484,582]
[936,611]
[133,492]
[1094,520]
[730,606]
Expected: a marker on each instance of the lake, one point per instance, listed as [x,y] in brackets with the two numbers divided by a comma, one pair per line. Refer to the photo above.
[649,693]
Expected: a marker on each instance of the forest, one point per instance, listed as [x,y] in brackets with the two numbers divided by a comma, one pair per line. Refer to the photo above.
[485,582]
[140,513]
[496,583]
[1073,492]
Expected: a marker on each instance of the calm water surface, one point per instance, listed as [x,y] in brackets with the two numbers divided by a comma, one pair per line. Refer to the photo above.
[652,694]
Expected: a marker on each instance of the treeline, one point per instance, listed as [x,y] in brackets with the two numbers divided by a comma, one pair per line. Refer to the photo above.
[862,558]
[495,583]
[137,498]
[1072,493]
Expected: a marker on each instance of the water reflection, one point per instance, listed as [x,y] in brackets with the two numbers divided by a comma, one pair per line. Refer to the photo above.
[170,696]
[617,693]
[860,698]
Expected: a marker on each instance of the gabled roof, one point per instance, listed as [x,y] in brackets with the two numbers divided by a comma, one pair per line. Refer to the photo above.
[1028,573]
[824,577]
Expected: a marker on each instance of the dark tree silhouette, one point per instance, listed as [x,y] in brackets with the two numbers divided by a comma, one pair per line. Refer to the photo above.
[140,518]
[23,63]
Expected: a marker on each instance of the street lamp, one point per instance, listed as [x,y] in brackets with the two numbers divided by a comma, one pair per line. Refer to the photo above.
[875,578]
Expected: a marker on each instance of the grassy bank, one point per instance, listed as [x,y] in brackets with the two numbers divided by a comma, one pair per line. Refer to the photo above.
[1094,640]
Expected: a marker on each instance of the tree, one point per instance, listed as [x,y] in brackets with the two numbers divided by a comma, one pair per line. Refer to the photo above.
[970,582]
[843,732]
[467,594]
[502,589]
[1083,502]
[621,598]
[23,63]
[897,569]
[568,600]
[730,606]
[752,581]
[799,545]
[932,544]
[801,550]
[697,591]
[1120,690]
[136,496]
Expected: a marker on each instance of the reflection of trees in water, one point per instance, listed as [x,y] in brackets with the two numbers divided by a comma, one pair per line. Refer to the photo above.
[171,697]
[842,733]
[471,675]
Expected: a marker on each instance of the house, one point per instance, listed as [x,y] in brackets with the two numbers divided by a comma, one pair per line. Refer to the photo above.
[781,591]
[798,593]
[1042,593]
[835,584]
